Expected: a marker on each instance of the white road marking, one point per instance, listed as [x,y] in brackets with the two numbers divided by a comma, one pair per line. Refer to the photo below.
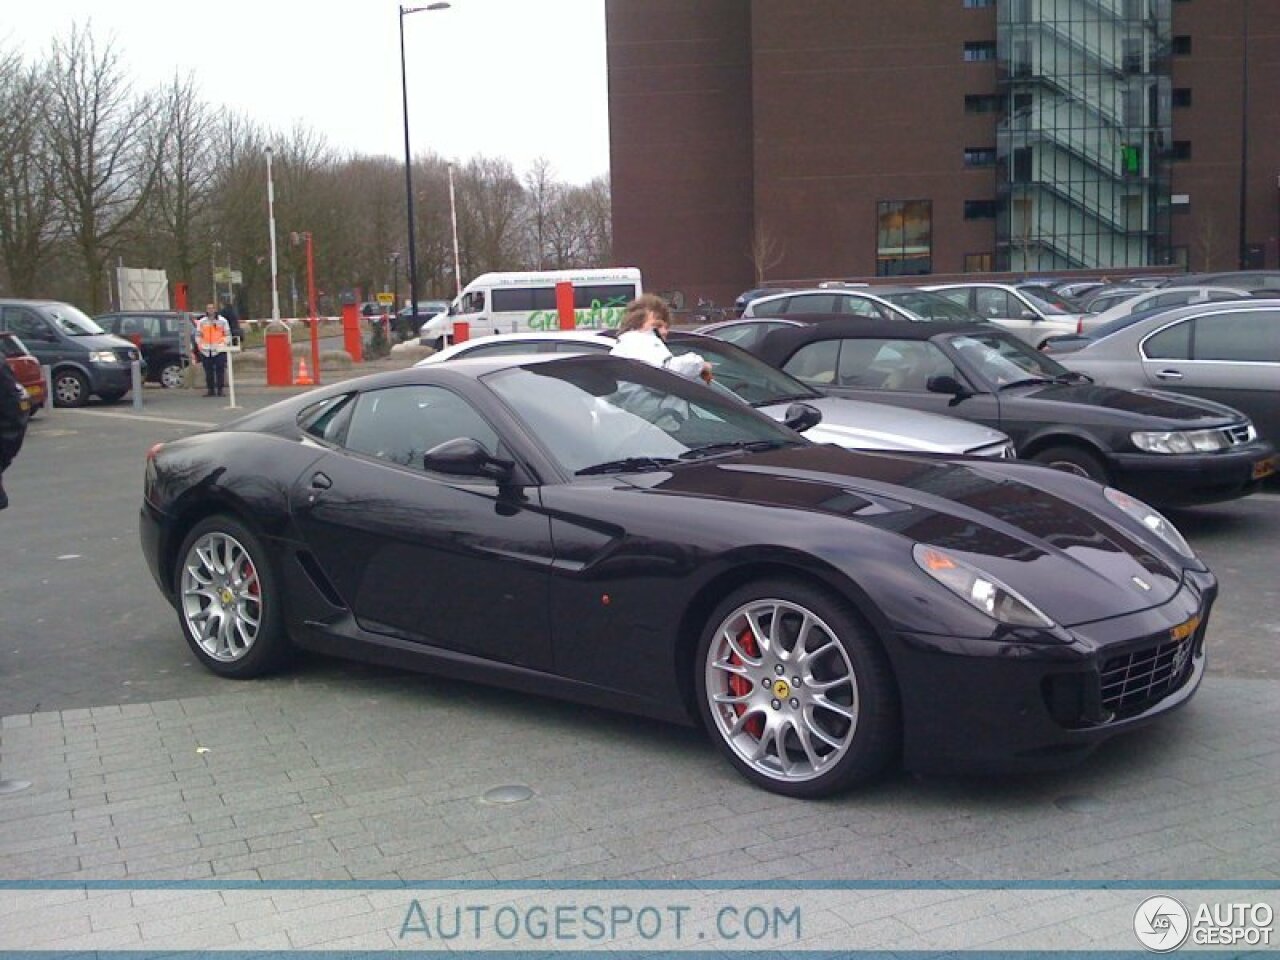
[137,416]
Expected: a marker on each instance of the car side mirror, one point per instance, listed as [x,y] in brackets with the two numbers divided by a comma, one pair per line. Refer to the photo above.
[945,383]
[801,416]
[1031,315]
[465,457]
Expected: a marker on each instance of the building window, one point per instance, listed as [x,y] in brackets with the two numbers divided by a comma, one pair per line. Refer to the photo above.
[1181,45]
[980,156]
[1022,165]
[979,209]
[979,51]
[978,262]
[976,4]
[983,103]
[1181,150]
[904,237]
[1181,97]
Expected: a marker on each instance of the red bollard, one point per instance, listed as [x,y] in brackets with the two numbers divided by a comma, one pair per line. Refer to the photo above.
[279,356]
[564,306]
[461,331]
[352,335]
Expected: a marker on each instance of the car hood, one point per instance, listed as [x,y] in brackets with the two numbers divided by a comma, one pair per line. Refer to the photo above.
[862,425]
[104,341]
[1074,563]
[1181,412]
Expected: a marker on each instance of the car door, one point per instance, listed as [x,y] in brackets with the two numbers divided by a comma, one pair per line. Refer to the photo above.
[1230,356]
[459,563]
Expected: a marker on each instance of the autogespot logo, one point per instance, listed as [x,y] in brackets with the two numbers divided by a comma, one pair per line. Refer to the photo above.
[1161,924]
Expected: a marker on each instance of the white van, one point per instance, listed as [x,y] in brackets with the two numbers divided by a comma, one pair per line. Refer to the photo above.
[511,302]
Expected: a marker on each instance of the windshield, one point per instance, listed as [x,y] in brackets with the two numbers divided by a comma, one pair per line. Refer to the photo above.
[1001,359]
[931,306]
[747,376]
[593,411]
[71,321]
[1049,302]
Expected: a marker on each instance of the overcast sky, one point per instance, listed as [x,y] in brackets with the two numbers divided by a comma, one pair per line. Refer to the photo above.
[512,78]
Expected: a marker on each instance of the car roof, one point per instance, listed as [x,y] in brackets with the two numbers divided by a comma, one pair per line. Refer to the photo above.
[828,327]
[1143,325]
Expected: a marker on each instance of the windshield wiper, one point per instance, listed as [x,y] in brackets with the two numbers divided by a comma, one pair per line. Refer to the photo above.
[732,446]
[793,398]
[1025,381]
[626,465]
[1073,376]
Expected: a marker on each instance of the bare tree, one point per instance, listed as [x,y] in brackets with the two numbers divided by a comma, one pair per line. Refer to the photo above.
[493,200]
[767,251]
[27,226]
[106,148]
[542,195]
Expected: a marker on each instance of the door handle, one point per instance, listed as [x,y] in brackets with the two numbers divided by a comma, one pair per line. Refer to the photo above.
[1169,375]
[320,481]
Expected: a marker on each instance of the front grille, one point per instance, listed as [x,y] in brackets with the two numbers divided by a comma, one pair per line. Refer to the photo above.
[1134,681]
[1241,433]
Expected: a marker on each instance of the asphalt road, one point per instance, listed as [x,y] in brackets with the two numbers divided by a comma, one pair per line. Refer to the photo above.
[82,624]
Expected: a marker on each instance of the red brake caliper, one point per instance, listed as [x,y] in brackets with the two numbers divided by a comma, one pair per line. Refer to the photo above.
[740,686]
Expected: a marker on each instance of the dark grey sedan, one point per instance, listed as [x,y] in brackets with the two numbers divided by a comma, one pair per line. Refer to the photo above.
[1227,351]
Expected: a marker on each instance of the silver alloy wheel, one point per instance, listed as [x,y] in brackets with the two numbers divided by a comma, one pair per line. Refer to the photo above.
[221,597]
[171,376]
[69,389]
[782,690]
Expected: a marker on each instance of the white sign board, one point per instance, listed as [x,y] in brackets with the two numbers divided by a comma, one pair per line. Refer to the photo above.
[142,289]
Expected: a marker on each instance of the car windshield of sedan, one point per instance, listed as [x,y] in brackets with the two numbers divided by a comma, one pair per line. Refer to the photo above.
[1004,360]
[72,322]
[1049,302]
[598,414]
[931,306]
[748,377]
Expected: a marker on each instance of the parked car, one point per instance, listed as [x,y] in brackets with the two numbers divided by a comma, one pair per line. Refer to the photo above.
[404,326]
[1075,290]
[1071,342]
[886,302]
[1029,316]
[85,359]
[849,423]
[740,304]
[1054,416]
[1102,300]
[1246,280]
[163,336]
[1228,352]
[1158,298]
[825,614]
[26,369]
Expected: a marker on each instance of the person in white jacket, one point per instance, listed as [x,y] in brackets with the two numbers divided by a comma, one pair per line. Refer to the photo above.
[640,337]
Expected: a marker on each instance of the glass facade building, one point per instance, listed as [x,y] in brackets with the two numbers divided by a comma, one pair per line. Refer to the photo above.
[1084,144]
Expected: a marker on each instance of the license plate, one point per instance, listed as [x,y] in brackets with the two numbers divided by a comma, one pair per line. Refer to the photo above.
[1264,468]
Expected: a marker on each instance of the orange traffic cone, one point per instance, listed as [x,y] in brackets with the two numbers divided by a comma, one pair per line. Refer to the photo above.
[303,379]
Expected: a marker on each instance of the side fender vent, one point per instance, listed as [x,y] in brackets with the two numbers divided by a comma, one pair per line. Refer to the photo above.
[312,569]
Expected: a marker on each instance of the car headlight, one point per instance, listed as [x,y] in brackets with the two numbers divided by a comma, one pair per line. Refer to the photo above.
[979,589]
[103,356]
[1180,441]
[1151,519]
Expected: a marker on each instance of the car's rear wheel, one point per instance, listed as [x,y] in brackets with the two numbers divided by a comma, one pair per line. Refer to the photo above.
[795,690]
[227,599]
[171,377]
[70,388]
[1073,460]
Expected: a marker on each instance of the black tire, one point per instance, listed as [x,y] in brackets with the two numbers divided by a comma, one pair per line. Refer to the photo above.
[1075,460]
[112,396]
[868,728]
[254,589]
[70,388]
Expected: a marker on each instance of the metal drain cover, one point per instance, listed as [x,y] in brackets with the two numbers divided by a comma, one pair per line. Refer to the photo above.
[13,786]
[513,793]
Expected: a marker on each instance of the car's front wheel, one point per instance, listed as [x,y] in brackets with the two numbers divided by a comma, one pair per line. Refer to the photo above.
[1074,460]
[70,388]
[171,377]
[796,691]
[228,601]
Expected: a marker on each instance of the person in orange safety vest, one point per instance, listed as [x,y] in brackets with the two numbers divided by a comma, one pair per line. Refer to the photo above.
[213,337]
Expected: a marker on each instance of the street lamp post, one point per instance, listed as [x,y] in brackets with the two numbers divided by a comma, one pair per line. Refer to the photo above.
[453,216]
[395,279]
[271,218]
[408,161]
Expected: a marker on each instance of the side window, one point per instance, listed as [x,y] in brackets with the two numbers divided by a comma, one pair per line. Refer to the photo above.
[27,324]
[509,348]
[328,420]
[565,346]
[814,362]
[911,364]
[1171,343]
[860,307]
[473,302]
[993,303]
[747,335]
[812,303]
[400,424]
[1252,335]
[960,297]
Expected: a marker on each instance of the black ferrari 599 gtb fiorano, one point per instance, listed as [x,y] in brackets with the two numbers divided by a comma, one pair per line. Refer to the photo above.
[607,532]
